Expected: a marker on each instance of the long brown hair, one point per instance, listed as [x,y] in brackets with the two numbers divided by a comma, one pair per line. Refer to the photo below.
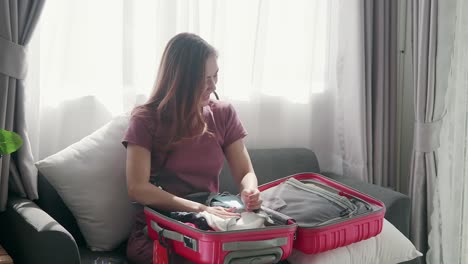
[178,88]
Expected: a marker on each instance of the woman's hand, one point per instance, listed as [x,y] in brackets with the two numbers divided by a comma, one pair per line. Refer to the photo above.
[222,212]
[251,199]
[242,170]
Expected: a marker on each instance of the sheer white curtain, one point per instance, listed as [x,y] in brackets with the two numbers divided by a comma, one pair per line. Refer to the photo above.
[448,239]
[293,69]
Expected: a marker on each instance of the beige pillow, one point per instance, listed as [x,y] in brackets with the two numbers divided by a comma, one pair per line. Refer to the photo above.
[90,178]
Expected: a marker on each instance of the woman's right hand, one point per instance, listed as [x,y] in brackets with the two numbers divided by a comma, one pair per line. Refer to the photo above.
[222,212]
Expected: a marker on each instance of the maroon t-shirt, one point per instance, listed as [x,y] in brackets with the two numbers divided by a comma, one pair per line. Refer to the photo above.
[193,165]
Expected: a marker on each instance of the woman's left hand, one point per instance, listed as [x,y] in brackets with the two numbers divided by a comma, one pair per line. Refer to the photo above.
[251,199]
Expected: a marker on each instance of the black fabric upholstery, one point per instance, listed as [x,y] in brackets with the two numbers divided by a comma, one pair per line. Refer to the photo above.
[31,236]
[51,202]
[271,164]
[117,256]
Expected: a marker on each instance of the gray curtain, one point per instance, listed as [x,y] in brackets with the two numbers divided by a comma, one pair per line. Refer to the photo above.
[381,50]
[18,19]
[429,109]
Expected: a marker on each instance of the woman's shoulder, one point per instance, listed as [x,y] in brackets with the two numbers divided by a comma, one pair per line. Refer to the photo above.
[221,107]
[144,117]
[142,112]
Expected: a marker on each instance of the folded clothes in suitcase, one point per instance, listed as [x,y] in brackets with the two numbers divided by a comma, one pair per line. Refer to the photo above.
[328,213]
[268,244]
[311,213]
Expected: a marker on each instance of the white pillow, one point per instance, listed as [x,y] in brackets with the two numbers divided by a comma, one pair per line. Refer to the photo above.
[389,247]
[90,178]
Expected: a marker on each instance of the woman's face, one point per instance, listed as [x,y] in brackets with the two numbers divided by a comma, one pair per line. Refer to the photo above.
[211,78]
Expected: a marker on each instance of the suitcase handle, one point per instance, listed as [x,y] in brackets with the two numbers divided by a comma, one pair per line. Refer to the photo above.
[254,245]
[188,241]
[263,256]
[167,233]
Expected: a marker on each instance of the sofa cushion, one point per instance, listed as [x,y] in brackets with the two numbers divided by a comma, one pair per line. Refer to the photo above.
[90,178]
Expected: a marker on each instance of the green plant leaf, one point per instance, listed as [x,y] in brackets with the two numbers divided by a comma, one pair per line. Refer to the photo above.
[9,142]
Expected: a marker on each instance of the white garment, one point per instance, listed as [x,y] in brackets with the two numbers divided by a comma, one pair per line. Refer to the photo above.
[247,220]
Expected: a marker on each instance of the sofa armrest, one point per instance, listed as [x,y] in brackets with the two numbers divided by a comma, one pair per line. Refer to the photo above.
[31,236]
[397,204]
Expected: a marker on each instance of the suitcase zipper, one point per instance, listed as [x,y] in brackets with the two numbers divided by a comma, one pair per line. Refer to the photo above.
[343,202]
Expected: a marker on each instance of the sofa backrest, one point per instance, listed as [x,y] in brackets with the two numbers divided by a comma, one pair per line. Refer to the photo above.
[269,164]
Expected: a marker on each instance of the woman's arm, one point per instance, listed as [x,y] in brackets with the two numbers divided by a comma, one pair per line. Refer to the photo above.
[243,173]
[142,191]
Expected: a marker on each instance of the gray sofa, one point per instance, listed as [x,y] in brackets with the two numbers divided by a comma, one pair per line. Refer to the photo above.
[45,231]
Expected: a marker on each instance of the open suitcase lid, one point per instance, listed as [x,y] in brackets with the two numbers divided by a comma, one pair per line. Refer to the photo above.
[337,232]
[312,200]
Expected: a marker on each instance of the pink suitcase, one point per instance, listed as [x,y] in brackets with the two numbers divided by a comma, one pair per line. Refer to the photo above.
[263,245]
[339,233]
[270,244]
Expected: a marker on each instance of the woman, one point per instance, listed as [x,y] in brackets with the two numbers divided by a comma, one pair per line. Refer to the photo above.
[180,137]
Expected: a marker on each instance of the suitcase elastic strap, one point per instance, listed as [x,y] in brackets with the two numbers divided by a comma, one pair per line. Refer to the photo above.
[167,233]
[188,241]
